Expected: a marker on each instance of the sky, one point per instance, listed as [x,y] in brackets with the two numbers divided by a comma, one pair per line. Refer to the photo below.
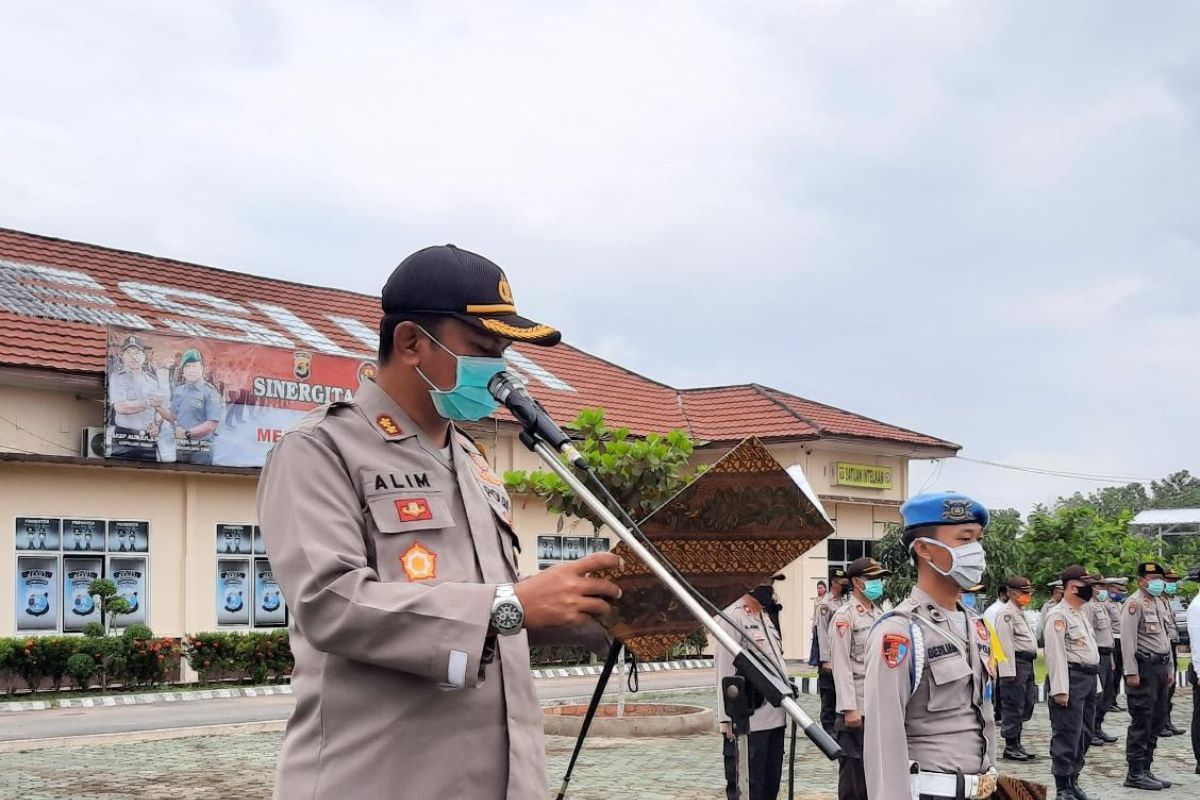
[975,220]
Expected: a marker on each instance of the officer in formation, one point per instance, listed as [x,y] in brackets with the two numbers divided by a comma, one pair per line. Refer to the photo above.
[1112,595]
[1172,588]
[1102,628]
[1072,667]
[1056,595]
[825,609]
[928,686]
[392,541]
[1149,672]
[765,742]
[1017,692]
[849,630]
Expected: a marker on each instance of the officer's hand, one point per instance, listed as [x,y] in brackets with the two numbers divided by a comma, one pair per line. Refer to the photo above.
[566,595]
[826,665]
[727,730]
[1133,681]
[1062,699]
[853,719]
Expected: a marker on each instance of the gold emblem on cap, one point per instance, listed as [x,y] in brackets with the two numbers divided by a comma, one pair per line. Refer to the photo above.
[505,290]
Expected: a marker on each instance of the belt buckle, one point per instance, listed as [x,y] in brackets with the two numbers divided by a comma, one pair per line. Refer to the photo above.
[985,785]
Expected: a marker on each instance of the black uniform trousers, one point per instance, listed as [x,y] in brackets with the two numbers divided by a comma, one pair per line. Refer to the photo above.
[828,694]
[1107,681]
[1118,675]
[1017,700]
[1072,725]
[766,765]
[1147,709]
[852,777]
[1171,684]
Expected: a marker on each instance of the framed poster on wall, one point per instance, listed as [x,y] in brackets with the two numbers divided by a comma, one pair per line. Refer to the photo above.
[128,536]
[37,533]
[234,539]
[37,593]
[130,576]
[269,607]
[79,606]
[233,591]
[83,535]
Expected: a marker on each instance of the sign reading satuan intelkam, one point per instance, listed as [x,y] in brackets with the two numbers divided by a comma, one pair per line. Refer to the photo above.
[865,476]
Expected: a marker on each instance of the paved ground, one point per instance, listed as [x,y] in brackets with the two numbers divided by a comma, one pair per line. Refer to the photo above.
[684,768]
[91,721]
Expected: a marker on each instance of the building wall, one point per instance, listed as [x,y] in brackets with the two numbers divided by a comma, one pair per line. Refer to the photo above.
[184,508]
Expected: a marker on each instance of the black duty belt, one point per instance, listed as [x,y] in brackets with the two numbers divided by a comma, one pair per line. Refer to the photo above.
[1086,669]
[1154,658]
[1105,651]
[1024,656]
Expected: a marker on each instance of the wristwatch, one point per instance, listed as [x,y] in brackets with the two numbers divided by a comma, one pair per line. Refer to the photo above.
[507,614]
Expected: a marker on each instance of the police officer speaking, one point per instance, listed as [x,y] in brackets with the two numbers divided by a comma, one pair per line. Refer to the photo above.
[928,689]
[848,633]
[1072,668]
[392,541]
[1017,693]
[1147,657]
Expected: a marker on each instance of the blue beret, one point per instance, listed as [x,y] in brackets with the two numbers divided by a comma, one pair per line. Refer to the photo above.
[942,508]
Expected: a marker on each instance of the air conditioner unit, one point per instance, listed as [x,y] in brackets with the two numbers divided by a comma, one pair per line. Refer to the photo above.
[92,445]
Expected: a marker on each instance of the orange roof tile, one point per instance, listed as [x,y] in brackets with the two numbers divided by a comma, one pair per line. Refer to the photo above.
[35,333]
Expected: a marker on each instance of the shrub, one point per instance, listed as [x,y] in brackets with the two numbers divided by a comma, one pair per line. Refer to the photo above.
[138,631]
[149,661]
[93,630]
[8,665]
[81,667]
[52,653]
[255,656]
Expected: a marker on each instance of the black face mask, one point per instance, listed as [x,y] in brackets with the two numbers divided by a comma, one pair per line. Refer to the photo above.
[1084,592]
[763,594]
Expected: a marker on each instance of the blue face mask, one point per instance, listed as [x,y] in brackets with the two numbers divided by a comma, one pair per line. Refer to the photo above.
[873,589]
[470,399]
[1156,586]
[1102,595]
[968,600]
[1172,588]
[1117,596]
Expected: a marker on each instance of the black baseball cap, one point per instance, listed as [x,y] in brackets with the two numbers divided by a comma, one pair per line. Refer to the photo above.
[1150,568]
[450,281]
[1019,583]
[866,567]
[1076,573]
[837,574]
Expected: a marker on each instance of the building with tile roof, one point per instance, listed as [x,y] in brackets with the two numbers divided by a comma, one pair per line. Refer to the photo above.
[58,297]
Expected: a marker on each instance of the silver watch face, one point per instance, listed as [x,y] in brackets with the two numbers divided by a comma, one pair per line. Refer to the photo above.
[507,617]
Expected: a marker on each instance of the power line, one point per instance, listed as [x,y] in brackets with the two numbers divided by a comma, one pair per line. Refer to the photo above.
[1085,476]
[37,436]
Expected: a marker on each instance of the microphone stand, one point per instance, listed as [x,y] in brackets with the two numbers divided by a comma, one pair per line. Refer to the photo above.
[777,691]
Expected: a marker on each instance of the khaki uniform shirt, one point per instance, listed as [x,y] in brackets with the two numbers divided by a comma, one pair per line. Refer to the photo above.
[759,629]
[1114,616]
[825,609]
[1047,607]
[1098,618]
[1142,630]
[1069,640]
[388,552]
[1015,636]
[946,723]
[126,386]
[848,634]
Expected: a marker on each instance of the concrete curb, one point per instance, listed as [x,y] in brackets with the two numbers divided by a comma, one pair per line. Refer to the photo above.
[147,698]
[25,745]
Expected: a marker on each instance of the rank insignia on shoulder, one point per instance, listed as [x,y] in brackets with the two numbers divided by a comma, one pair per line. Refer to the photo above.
[413,509]
[387,425]
[420,563]
[895,649]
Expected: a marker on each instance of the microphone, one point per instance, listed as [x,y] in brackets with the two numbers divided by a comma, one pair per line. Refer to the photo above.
[510,391]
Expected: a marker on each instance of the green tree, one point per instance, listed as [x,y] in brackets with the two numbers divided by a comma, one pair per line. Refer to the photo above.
[1057,538]
[641,472]
[112,605]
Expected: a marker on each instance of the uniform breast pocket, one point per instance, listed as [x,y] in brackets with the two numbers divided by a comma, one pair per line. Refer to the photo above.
[951,674]
[1151,621]
[408,529]
[858,642]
